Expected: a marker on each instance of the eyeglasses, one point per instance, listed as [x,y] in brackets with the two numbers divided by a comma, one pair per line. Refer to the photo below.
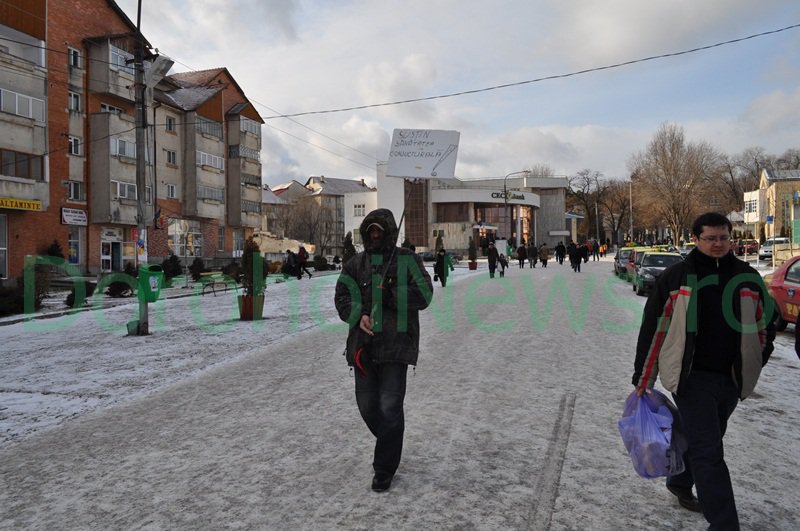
[715,239]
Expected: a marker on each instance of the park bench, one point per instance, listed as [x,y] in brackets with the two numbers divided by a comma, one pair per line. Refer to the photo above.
[214,280]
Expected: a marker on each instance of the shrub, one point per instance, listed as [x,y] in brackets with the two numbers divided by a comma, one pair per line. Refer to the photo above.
[88,291]
[349,248]
[472,251]
[12,299]
[172,267]
[320,263]
[233,271]
[251,285]
[55,250]
[197,267]
[120,288]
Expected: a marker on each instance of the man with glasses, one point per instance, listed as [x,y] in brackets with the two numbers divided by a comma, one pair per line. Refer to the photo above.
[707,329]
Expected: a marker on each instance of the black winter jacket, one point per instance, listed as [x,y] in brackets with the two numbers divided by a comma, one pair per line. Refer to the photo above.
[394,305]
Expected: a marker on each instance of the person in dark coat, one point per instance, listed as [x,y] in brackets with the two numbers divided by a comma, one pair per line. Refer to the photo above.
[442,267]
[503,262]
[544,254]
[522,255]
[302,260]
[380,293]
[493,256]
[575,256]
[561,253]
[533,254]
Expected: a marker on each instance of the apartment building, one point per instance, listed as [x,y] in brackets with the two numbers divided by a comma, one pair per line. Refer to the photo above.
[68,145]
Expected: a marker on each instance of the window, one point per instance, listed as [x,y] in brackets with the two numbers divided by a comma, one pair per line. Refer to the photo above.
[73,58]
[211,193]
[251,207]
[105,107]
[74,101]
[172,157]
[359,211]
[123,190]
[75,146]
[74,244]
[751,206]
[209,127]
[21,105]
[119,59]
[172,192]
[207,159]
[75,191]
[170,124]
[238,242]
[3,246]
[250,126]
[25,165]
[221,238]
[185,237]
[148,195]
[123,147]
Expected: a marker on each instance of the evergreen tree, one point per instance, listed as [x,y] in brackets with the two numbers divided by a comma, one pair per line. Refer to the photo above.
[349,248]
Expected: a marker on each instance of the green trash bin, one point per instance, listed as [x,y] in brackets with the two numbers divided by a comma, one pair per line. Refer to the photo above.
[151,279]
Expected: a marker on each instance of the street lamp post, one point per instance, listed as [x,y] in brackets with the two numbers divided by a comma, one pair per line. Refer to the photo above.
[505,198]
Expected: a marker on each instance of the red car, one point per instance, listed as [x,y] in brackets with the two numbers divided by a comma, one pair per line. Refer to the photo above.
[746,247]
[784,286]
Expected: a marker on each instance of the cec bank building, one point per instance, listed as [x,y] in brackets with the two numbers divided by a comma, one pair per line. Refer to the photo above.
[520,208]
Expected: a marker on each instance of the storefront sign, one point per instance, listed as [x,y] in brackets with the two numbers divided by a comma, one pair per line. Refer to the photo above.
[73,216]
[508,195]
[111,234]
[21,204]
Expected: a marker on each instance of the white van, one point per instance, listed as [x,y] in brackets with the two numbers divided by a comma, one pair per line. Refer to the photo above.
[765,252]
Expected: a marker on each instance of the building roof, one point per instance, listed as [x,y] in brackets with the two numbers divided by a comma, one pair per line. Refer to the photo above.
[269,197]
[782,175]
[331,186]
[187,98]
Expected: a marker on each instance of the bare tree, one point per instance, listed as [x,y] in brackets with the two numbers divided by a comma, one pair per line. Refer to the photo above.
[311,220]
[584,191]
[615,204]
[676,177]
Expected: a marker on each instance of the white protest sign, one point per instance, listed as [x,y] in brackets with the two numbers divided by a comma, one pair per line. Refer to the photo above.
[423,153]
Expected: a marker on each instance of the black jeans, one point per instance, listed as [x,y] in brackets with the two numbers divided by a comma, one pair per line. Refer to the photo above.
[379,395]
[705,406]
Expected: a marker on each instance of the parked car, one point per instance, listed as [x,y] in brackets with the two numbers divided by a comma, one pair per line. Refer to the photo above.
[651,267]
[746,247]
[765,252]
[634,259]
[784,286]
[621,261]
[686,248]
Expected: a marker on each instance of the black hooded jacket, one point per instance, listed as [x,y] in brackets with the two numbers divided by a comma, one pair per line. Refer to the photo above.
[391,284]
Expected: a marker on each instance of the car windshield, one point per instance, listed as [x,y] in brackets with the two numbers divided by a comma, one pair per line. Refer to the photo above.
[660,260]
[624,254]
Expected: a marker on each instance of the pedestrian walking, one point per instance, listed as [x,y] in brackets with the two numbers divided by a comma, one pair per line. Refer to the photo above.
[708,329]
[533,254]
[503,262]
[493,256]
[442,267]
[384,333]
[575,256]
[561,253]
[595,250]
[544,254]
[302,259]
[522,255]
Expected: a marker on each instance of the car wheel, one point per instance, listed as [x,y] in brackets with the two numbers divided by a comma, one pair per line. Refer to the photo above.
[639,290]
[634,285]
[780,324]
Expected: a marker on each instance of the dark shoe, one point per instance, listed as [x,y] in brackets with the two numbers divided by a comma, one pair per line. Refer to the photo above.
[686,499]
[381,482]
[309,275]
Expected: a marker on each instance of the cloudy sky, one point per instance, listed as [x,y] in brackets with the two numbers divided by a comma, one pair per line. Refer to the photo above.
[304,56]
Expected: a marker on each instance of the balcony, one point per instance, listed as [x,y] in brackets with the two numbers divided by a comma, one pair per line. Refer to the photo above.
[241,152]
[251,180]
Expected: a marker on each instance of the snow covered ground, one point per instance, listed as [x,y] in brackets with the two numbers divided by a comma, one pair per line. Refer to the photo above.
[213,423]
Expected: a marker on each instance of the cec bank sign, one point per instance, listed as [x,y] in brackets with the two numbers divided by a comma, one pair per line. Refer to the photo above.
[423,153]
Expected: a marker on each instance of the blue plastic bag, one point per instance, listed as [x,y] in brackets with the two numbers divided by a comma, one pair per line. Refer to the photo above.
[650,429]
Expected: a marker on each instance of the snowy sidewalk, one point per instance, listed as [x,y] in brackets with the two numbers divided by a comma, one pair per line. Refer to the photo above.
[211,423]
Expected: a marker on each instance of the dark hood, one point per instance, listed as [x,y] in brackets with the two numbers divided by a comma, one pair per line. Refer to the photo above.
[384,218]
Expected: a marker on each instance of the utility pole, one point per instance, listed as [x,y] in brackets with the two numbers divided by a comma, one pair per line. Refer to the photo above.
[143,327]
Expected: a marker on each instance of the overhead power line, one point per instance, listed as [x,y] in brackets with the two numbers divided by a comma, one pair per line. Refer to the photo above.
[536,80]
